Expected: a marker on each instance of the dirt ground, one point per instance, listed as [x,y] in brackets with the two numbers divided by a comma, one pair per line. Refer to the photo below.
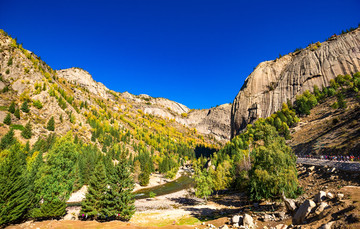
[182,210]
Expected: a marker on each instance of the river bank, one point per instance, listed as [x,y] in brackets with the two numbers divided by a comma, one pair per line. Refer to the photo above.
[157,179]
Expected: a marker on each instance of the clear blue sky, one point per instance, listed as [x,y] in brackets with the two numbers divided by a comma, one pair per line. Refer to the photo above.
[196,52]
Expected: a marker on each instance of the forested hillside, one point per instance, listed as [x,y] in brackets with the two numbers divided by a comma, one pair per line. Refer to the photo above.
[58,135]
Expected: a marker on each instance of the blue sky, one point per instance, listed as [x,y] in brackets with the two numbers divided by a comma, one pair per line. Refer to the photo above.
[196,52]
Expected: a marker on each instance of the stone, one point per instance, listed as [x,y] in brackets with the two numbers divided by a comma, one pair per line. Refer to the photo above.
[272,83]
[340,196]
[236,225]
[282,215]
[281,226]
[224,227]
[310,169]
[327,225]
[289,203]
[321,208]
[267,218]
[248,221]
[303,211]
[236,219]
[321,196]
[329,195]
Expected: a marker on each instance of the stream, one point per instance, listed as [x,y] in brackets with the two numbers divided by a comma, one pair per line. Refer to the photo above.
[181,183]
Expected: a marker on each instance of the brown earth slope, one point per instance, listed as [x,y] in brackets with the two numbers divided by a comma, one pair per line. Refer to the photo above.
[329,131]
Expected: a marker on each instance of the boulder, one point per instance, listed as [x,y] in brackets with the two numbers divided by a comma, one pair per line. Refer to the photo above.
[248,221]
[289,203]
[281,226]
[310,169]
[303,211]
[329,195]
[321,208]
[236,219]
[327,225]
[321,196]
[340,196]
[224,227]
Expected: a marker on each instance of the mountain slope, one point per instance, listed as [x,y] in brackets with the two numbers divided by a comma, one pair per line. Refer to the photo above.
[92,111]
[274,82]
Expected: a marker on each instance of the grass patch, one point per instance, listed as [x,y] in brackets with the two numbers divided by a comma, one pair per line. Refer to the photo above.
[4,108]
[17,127]
[188,220]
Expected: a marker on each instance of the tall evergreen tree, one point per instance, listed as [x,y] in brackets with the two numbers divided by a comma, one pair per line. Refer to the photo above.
[7,119]
[12,107]
[25,107]
[14,187]
[27,132]
[123,186]
[17,113]
[51,124]
[7,140]
[94,202]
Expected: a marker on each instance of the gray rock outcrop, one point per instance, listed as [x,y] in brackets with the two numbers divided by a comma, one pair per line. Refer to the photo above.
[274,82]
[303,211]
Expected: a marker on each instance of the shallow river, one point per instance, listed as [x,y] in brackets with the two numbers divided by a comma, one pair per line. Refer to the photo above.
[181,183]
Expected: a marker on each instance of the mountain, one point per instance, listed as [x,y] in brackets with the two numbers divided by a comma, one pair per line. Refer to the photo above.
[91,111]
[274,82]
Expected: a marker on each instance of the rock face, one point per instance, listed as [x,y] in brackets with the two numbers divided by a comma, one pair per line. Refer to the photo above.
[274,82]
[85,80]
[214,121]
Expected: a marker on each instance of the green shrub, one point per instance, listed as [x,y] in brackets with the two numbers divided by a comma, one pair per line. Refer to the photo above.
[152,194]
[7,71]
[184,115]
[17,127]
[37,104]
[10,61]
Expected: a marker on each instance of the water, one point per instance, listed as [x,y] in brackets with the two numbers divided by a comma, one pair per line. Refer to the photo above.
[181,183]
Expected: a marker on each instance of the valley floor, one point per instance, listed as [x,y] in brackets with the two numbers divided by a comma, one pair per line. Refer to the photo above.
[182,210]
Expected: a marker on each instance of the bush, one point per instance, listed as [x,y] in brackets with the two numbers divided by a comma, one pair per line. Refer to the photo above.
[7,71]
[37,104]
[184,115]
[152,194]
[17,127]
[305,102]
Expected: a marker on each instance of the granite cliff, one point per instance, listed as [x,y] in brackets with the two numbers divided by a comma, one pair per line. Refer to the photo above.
[274,82]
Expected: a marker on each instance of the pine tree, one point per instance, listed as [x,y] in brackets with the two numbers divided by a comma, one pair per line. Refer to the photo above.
[14,187]
[12,107]
[17,113]
[97,190]
[25,107]
[7,119]
[27,132]
[123,187]
[51,124]
[7,140]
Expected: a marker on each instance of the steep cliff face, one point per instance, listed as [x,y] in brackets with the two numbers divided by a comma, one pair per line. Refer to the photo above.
[274,82]
[214,121]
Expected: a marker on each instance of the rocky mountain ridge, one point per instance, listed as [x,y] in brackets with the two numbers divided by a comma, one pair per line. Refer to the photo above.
[274,82]
[73,98]
[214,121]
